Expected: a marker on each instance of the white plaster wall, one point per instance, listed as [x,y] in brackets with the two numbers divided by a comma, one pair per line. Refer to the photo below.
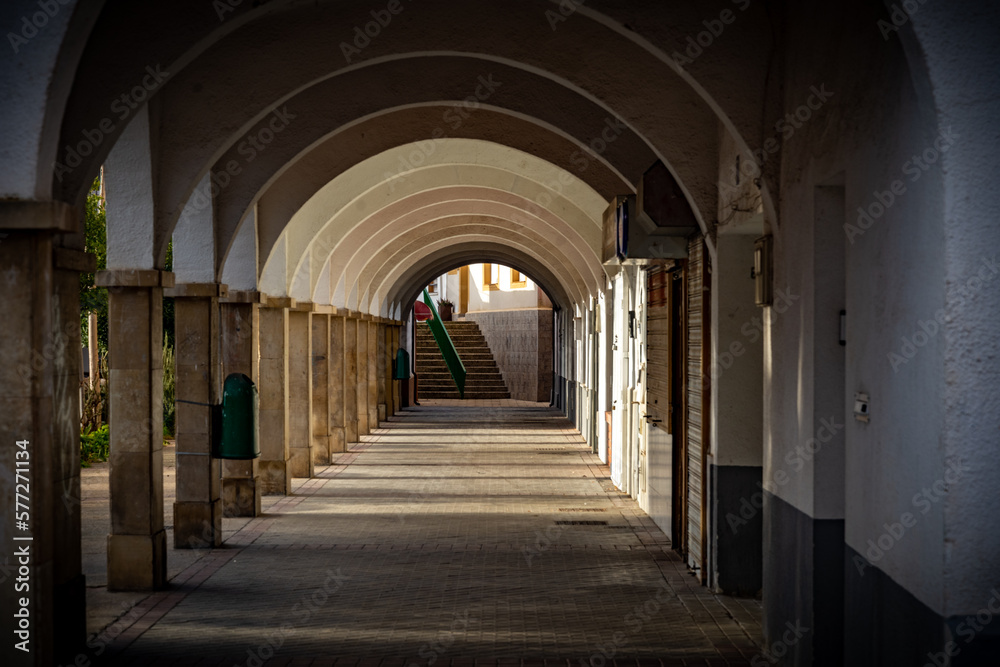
[240,269]
[128,173]
[962,51]
[194,238]
[272,280]
[505,298]
[737,353]
[869,129]
[24,147]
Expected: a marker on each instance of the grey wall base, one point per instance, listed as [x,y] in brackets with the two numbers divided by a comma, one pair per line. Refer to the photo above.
[803,583]
[738,520]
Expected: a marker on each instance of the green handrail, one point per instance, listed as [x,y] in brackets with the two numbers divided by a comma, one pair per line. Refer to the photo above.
[448,351]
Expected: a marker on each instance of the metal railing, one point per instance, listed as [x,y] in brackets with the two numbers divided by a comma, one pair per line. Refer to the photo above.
[447,347]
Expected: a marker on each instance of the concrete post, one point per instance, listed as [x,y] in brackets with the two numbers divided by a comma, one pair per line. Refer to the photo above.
[198,506]
[351,377]
[397,385]
[275,476]
[374,368]
[39,434]
[361,385]
[337,395]
[300,390]
[381,367]
[321,386]
[137,548]
[239,334]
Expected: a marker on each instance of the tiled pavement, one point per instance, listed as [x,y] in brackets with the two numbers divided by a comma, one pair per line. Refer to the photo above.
[442,539]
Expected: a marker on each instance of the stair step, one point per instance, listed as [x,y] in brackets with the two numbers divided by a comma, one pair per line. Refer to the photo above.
[483,378]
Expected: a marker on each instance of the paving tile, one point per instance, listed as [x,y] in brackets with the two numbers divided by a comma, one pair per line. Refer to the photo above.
[434,542]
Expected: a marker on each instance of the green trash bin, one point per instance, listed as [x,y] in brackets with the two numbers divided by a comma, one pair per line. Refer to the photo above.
[401,371]
[235,421]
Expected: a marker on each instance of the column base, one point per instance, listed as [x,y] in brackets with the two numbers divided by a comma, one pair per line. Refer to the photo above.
[198,525]
[240,497]
[321,450]
[383,412]
[351,430]
[338,440]
[275,478]
[137,562]
[301,463]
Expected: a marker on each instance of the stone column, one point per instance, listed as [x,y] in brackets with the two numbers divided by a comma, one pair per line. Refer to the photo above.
[321,385]
[198,505]
[397,385]
[275,476]
[300,440]
[137,547]
[239,335]
[390,357]
[361,386]
[381,366]
[351,377]
[373,371]
[338,432]
[39,432]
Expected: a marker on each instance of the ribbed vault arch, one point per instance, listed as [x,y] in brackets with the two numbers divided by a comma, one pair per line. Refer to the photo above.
[468,177]
[242,67]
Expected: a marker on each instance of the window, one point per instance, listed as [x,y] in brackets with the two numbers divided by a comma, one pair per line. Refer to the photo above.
[432,288]
[491,277]
[517,281]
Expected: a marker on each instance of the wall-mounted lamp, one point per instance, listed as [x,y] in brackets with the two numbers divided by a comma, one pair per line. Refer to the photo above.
[762,272]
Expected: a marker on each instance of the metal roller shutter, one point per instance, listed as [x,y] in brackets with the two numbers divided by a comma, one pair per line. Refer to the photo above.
[696,441]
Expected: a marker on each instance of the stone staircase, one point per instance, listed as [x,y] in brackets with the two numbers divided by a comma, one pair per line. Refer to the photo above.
[483,378]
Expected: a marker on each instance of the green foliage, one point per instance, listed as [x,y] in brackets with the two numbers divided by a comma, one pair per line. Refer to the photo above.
[168,302]
[95,299]
[94,446]
[169,383]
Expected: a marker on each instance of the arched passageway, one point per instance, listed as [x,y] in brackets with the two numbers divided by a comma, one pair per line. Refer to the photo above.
[310,167]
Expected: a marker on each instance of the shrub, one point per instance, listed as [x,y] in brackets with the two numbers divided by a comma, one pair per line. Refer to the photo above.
[94,446]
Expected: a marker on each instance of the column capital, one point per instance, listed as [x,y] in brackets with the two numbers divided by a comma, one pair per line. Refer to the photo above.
[69,259]
[278,302]
[134,278]
[241,296]
[39,216]
[197,291]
